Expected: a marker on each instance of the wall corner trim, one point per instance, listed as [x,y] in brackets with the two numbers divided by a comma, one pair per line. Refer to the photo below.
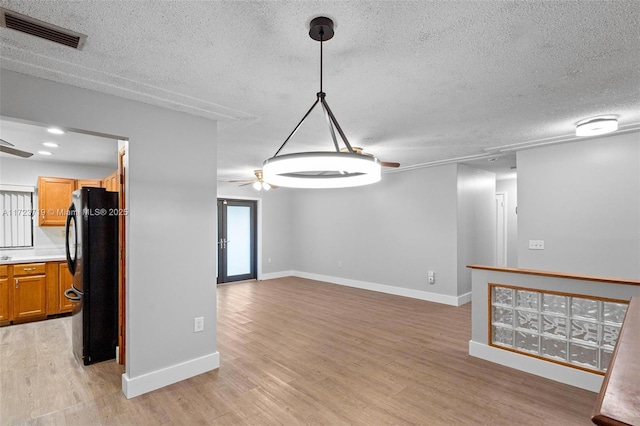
[389,289]
[132,387]
[549,370]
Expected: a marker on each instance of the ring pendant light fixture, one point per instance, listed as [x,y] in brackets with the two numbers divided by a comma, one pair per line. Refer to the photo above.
[322,169]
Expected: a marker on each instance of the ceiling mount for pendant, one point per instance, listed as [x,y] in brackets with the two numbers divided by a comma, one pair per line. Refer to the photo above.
[324,169]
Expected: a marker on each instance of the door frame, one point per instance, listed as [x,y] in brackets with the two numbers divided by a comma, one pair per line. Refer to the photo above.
[258,201]
[504,229]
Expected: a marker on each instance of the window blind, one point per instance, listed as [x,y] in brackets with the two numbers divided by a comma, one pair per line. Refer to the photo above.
[16,220]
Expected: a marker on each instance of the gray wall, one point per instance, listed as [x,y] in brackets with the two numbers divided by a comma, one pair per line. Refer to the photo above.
[476,236]
[583,200]
[22,171]
[389,233]
[510,188]
[172,187]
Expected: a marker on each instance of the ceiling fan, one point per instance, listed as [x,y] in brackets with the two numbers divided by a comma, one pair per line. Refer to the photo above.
[359,150]
[6,148]
[258,183]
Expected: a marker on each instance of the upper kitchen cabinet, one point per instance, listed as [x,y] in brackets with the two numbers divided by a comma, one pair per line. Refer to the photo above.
[89,183]
[111,182]
[54,198]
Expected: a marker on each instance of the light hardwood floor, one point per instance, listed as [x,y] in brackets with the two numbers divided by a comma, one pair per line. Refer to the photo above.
[294,351]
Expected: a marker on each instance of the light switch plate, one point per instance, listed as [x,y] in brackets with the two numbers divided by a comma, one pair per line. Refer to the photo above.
[536,244]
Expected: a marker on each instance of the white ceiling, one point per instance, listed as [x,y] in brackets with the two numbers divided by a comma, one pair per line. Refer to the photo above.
[73,147]
[418,82]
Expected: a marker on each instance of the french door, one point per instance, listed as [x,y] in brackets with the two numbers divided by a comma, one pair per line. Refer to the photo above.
[236,240]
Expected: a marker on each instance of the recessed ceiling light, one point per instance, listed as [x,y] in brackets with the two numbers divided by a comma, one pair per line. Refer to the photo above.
[55,131]
[596,126]
[44,153]
[50,144]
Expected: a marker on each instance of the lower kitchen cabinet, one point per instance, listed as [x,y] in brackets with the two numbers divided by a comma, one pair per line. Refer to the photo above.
[65,280]
[4,293]
[29,297]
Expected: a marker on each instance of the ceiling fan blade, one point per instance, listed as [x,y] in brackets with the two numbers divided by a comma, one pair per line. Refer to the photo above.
[13,151]
[245,184]
[240,180]
[389,164]
[3,142]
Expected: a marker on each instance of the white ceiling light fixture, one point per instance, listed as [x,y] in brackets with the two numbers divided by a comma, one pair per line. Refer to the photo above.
[44,153]
[55,131]
[325,169]
[50,144]
[597,126]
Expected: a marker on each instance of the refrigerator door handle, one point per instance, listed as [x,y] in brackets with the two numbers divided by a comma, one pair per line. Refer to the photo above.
[71,263]
[72,295]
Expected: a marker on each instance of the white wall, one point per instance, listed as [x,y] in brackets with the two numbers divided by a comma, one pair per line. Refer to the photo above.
[274,226]
[172,204]
[510,188]
[476,235]
[25,171]
[390,233]
[583,200]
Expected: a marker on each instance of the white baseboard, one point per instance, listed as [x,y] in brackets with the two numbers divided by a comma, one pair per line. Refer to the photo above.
[274,275]
[549,370]
[132,387]
[389,289]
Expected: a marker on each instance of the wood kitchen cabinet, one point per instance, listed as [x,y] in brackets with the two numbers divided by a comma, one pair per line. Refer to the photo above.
[4,293]
[111,182]
[54,197]
[29,292]
[90,183]
[65,280]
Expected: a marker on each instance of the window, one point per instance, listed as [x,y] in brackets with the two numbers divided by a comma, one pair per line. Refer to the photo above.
[16,220]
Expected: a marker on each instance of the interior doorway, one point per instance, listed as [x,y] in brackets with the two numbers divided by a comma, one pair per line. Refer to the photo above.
[237,240]
[501,229]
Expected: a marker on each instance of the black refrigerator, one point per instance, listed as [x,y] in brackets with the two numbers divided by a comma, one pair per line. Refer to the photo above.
[92,255]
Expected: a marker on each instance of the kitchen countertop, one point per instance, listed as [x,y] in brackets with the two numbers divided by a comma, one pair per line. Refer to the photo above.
[33,258]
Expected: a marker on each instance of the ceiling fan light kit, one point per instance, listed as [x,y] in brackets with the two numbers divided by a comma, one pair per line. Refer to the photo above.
[597,126]
[326,169]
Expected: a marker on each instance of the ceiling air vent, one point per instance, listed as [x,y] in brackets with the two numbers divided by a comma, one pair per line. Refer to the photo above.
[45,30]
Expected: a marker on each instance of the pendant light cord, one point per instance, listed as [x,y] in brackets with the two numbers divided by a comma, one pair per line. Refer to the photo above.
[321,42]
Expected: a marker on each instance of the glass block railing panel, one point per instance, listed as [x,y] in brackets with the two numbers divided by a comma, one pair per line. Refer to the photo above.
[585,308]
[614,312]
[574,330]
[554,304]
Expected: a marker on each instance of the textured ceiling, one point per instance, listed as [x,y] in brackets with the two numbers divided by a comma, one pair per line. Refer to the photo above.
[415,82]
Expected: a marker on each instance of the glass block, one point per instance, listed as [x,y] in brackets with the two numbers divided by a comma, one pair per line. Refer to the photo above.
[503,336]
[527,320]
[586,331]
[614,312]
[527,299]
[605,358]
[583,355]
[503,315]
[527,341]
[554,348]
[555,304]
[503,296]
[554,325]
[585,308]
[610,334]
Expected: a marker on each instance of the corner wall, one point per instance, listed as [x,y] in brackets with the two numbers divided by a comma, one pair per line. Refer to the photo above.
[583,200]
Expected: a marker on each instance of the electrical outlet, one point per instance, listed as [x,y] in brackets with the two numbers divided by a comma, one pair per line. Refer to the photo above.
[432,277]
[269,260]
[198,324]
[340,263]
[536,244]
